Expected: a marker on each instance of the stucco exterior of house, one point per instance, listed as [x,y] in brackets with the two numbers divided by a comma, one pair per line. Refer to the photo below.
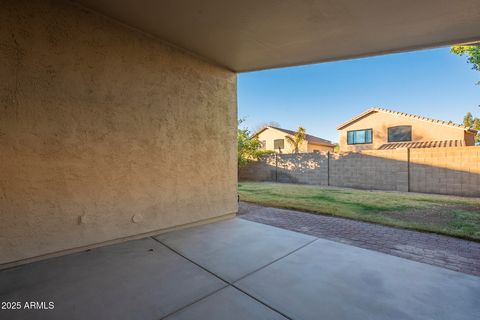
[379,128]
[86,105]
[273,138]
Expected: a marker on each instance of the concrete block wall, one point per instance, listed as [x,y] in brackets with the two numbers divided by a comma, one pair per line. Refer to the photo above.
[261,170]
[453,171]
[306,168]
[382,170]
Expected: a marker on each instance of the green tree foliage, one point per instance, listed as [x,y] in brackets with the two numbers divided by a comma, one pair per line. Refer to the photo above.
[476,126]
[336,147]
[297,139]
[472,52]
[249,148]
[474,123]
[473,55]
[468,120]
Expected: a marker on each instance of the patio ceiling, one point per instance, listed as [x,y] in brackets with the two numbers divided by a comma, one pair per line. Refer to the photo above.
[251,35]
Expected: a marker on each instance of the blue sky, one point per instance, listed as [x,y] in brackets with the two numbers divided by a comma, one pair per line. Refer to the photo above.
[433,83]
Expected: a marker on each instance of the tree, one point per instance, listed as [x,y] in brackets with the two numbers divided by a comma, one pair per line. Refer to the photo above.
[476,126]
[297,139]
[474,123]
[249,148]
[336,147]
[468,120]
[472,52]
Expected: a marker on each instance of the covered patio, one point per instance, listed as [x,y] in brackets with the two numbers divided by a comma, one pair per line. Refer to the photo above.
[118,162]
[238,269]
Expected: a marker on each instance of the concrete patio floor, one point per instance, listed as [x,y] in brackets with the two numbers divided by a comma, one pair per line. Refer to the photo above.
[238,269]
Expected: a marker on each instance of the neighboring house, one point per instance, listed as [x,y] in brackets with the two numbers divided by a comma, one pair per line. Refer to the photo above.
[273,138]
[379,128]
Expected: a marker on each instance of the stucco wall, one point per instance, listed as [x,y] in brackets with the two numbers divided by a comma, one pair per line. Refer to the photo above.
[271,134]
[105,132]
[317,147]
[421,130]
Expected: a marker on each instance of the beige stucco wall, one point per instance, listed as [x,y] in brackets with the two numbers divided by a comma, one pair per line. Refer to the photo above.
[271,134]
[105,132]
[380,121]
[318,147]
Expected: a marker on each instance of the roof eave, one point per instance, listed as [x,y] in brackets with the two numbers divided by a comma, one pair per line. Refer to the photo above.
[258,132]
[378,109]
[322,144]
[357,117]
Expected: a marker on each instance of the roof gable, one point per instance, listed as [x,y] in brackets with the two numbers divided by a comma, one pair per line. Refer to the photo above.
[408,115]
[308,137]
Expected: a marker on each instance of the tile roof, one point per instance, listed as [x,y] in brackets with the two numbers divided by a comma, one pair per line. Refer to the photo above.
[308,137]
[422,144]
[376,109]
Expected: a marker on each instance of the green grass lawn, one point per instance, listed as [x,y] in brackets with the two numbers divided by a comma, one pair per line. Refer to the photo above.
[454,216]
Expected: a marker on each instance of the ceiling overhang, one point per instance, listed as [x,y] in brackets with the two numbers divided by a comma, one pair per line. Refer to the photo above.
[252,35]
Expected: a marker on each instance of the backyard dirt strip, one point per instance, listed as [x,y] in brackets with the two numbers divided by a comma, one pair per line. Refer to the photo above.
[447,252]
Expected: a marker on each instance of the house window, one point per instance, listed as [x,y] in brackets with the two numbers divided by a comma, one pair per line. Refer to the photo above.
[278,144]
[400,133]
[359,136]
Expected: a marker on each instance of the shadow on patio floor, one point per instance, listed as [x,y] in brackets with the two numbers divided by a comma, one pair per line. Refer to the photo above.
[238,269]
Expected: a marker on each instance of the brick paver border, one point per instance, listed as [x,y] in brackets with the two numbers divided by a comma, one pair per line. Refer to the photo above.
[447,252]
